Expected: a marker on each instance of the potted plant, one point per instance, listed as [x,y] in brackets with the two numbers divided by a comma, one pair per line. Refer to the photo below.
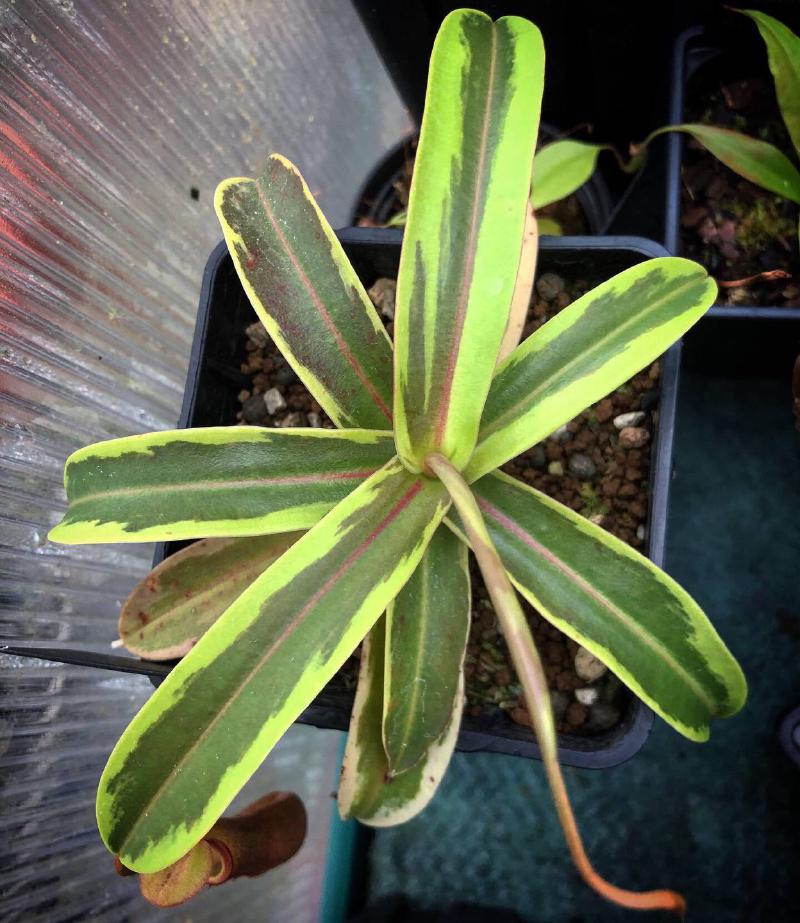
[732,197]
[393,498]
[625,489]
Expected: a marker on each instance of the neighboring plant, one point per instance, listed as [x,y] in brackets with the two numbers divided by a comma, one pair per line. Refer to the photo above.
[393,498]
[752,158]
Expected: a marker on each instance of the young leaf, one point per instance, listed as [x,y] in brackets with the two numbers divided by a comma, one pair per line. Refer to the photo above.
[783,51]
[464,233]
[179,600]
[616,603]
[426,635]
[307,294]
[368,791]
[587,350]
[755,160]
[227,703]
[562,167]
[523,285]
[221,480]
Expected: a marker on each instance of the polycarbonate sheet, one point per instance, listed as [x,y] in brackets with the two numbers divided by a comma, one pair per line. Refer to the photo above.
[117,119]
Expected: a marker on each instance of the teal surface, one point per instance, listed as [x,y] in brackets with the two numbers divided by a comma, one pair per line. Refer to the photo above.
[717,821]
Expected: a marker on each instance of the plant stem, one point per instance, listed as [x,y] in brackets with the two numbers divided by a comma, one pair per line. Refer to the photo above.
[528,665]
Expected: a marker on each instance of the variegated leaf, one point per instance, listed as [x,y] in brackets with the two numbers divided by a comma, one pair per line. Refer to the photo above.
[587,350]
[217,481]
[464,232]
[426,635]
[225,705]
[307,294]
[616,603]
[176,603]
[368,790]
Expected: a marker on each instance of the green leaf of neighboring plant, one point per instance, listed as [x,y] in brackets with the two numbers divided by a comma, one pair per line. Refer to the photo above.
[587,350]
[368,791]
[179,600]
[617,604]
[307,294]
[783,50]
[221,480]
[226,704]
[562,167]
[398,220]
[426,636]
[464,232]
[755,160]
[549,226]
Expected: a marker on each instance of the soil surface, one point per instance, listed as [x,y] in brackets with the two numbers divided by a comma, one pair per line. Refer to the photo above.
[598,464]
[567,213]
[733,227]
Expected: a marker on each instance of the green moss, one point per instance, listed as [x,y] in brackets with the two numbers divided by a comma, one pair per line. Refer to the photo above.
[763,221]
[593,503]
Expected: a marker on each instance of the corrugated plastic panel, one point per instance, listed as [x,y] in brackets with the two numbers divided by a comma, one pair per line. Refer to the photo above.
[117,119]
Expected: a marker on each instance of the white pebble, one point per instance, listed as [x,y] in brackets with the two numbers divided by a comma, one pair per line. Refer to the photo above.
[587,666]
[555,467]
[561,434]
[257,334]
[314,419]
[274,400]
[634,418]
[587,696]
[640,533]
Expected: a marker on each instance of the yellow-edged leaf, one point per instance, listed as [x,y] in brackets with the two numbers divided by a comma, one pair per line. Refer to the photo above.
[464,231]
[217,481]
[587,350]
[227,703]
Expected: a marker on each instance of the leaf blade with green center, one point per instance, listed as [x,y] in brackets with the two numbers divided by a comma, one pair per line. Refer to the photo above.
[306,293]
[613,601]
[783,51]
[585,351]
[367,791]
[183,596]
[561,168]
[751,158]
[427,626]
[216,481]
[464,230]
[225,705]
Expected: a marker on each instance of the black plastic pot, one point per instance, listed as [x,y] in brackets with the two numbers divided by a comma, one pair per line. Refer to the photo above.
[696,52]
[211,399]
[377,198]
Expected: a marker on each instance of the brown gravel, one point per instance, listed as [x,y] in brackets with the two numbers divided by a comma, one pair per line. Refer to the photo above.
[733,227]
[595,474]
